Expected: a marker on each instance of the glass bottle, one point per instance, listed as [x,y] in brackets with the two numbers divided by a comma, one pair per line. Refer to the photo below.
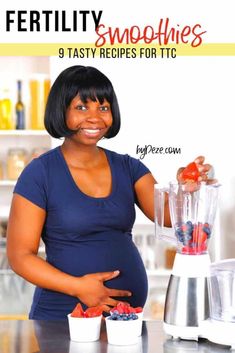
[6,122]
[19,108]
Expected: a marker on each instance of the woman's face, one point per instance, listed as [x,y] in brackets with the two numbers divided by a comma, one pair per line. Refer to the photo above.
[91,119]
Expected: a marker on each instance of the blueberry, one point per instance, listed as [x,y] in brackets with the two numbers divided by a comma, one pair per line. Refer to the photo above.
[181,239]
[178,224]
[123,317]
[179,232]
[189,225]
[207,230]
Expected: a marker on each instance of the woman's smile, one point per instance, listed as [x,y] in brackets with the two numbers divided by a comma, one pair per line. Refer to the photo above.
[93,133]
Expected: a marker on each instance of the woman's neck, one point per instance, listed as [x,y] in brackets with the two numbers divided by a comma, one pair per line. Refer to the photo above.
[80,155]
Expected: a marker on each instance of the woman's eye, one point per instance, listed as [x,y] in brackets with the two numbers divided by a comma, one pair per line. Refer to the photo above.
[81,107]
[104,108]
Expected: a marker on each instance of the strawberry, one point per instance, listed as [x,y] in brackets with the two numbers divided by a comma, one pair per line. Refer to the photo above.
[199,235]
[190,173]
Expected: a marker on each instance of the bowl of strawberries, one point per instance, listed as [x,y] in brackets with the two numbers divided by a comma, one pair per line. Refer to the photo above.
[84,326]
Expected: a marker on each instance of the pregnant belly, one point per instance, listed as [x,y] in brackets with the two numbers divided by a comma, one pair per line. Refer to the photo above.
[106,253]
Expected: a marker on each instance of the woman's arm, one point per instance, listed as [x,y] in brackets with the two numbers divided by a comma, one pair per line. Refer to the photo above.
[23,237]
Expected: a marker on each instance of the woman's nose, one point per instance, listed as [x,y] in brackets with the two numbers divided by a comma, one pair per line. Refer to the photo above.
[93,115]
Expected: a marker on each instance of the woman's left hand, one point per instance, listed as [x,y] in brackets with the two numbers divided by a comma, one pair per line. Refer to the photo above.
[203,169]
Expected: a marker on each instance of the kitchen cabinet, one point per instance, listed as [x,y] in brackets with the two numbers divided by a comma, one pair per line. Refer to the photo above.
[26,140]
[23,69]
[15,293]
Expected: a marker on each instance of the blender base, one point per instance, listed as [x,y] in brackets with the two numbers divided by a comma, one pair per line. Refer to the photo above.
[182,332]
[219,332]
[187,304]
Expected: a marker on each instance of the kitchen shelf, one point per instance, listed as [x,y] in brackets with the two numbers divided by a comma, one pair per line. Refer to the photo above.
[7,271]
[160,272]
[4,212]
[23,133]
[7,182]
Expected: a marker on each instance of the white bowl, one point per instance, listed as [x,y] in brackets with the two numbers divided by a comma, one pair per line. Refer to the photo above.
[140,316]
[84,329]
[123,333]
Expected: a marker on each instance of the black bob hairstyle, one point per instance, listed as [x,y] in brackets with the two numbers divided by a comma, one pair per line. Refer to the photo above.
[88,83]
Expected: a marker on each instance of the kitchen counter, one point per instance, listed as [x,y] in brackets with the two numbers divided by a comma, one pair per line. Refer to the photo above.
[32,336]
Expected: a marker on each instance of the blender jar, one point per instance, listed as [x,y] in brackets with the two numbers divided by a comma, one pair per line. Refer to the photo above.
[222,291]
[192,210]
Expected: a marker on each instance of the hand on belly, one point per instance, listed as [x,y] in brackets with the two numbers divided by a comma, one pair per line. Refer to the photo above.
[92,291]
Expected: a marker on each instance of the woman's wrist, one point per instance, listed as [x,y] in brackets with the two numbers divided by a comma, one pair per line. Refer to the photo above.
[73,286]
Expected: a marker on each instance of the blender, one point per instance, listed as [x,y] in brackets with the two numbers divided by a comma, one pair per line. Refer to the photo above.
[192,211]
[220,327]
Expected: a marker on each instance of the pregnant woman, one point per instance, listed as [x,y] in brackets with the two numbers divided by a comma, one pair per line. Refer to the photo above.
[79,198]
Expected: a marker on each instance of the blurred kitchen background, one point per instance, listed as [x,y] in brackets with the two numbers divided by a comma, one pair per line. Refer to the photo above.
[24,85]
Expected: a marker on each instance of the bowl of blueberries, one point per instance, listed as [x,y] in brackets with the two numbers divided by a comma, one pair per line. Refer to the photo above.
[124,325]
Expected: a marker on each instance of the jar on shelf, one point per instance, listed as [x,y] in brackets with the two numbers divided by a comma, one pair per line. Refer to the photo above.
[169,257]
[156,303]
[1,170]
[6,120]
[39,89]
[138,240]
[151,252]
[16,162]
[36,152]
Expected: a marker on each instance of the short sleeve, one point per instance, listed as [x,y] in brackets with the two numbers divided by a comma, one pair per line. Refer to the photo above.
[137,169]
[32,183]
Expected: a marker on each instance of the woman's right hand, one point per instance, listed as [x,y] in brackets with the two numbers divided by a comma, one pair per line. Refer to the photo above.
[93,292]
